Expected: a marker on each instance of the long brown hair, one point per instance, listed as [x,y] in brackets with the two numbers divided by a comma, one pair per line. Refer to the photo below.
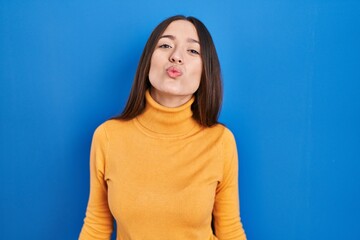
[208,97]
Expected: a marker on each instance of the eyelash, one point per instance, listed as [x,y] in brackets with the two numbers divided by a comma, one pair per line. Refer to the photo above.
[194,51]
[164,46]
[168,46]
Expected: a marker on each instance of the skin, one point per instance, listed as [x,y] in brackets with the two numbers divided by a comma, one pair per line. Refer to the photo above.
[178,47]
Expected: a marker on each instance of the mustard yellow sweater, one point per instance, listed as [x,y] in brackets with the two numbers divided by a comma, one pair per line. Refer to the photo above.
[163,177]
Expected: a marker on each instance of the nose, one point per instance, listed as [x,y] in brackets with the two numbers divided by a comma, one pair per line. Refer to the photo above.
[176,57]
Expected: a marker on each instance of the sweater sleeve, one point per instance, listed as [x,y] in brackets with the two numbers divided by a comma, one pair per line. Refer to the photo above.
[226,212]
[98,223]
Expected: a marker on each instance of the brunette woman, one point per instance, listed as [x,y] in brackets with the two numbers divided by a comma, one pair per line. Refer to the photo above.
[166,169]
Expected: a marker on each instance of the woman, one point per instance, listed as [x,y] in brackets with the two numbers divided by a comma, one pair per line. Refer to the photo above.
[165,168]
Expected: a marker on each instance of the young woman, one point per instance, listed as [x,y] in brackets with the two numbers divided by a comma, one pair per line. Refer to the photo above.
[165,168]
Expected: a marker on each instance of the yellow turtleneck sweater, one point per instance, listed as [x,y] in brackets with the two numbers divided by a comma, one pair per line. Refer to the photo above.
[163,177]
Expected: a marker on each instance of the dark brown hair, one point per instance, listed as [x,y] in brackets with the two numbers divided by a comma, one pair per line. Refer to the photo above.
[208,97]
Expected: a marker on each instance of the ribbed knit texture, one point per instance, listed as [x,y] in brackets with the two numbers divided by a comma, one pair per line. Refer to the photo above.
[162,176]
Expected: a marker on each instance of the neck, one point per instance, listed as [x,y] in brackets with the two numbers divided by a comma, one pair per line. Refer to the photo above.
[169,100]
[170,121]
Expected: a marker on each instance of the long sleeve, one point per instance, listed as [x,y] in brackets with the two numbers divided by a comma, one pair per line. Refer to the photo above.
[226,212]
[98,223]
[163,176]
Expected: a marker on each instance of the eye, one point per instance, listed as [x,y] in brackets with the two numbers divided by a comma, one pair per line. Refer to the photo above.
[193,51]
[164,46]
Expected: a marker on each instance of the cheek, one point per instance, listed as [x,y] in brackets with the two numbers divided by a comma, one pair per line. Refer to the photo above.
[154,67]
[197,71]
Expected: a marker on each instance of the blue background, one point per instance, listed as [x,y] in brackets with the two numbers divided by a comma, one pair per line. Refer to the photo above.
[292,98]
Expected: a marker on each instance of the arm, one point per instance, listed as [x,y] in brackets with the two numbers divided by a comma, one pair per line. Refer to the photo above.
[98,223]
[226,208]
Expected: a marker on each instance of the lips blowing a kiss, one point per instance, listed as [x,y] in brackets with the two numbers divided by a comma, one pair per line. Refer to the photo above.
[173,72]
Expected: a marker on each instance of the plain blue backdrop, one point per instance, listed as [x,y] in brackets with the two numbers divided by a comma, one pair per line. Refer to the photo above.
[292,98]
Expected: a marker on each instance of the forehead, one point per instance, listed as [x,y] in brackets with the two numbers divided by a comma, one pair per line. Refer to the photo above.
[182,28]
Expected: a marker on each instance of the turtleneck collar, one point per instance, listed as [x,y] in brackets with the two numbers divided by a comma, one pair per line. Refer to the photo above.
[160,120]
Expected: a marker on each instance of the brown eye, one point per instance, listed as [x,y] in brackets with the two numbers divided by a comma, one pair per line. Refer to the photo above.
[194,51]
[164,46]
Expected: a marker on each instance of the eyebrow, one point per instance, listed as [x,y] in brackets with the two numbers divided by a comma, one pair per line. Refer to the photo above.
[172,37]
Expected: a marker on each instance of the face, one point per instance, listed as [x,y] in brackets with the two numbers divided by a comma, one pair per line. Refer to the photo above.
[176,65]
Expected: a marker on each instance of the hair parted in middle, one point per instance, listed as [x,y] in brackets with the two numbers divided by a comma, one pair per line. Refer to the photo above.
[208,97]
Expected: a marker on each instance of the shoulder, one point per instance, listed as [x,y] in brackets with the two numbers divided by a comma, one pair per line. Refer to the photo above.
[113,125]
[221,131]
[104,130]
[226,140]
[114,130]
[221,137]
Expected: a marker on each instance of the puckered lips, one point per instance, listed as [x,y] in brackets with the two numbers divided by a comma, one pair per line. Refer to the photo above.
[174,72]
